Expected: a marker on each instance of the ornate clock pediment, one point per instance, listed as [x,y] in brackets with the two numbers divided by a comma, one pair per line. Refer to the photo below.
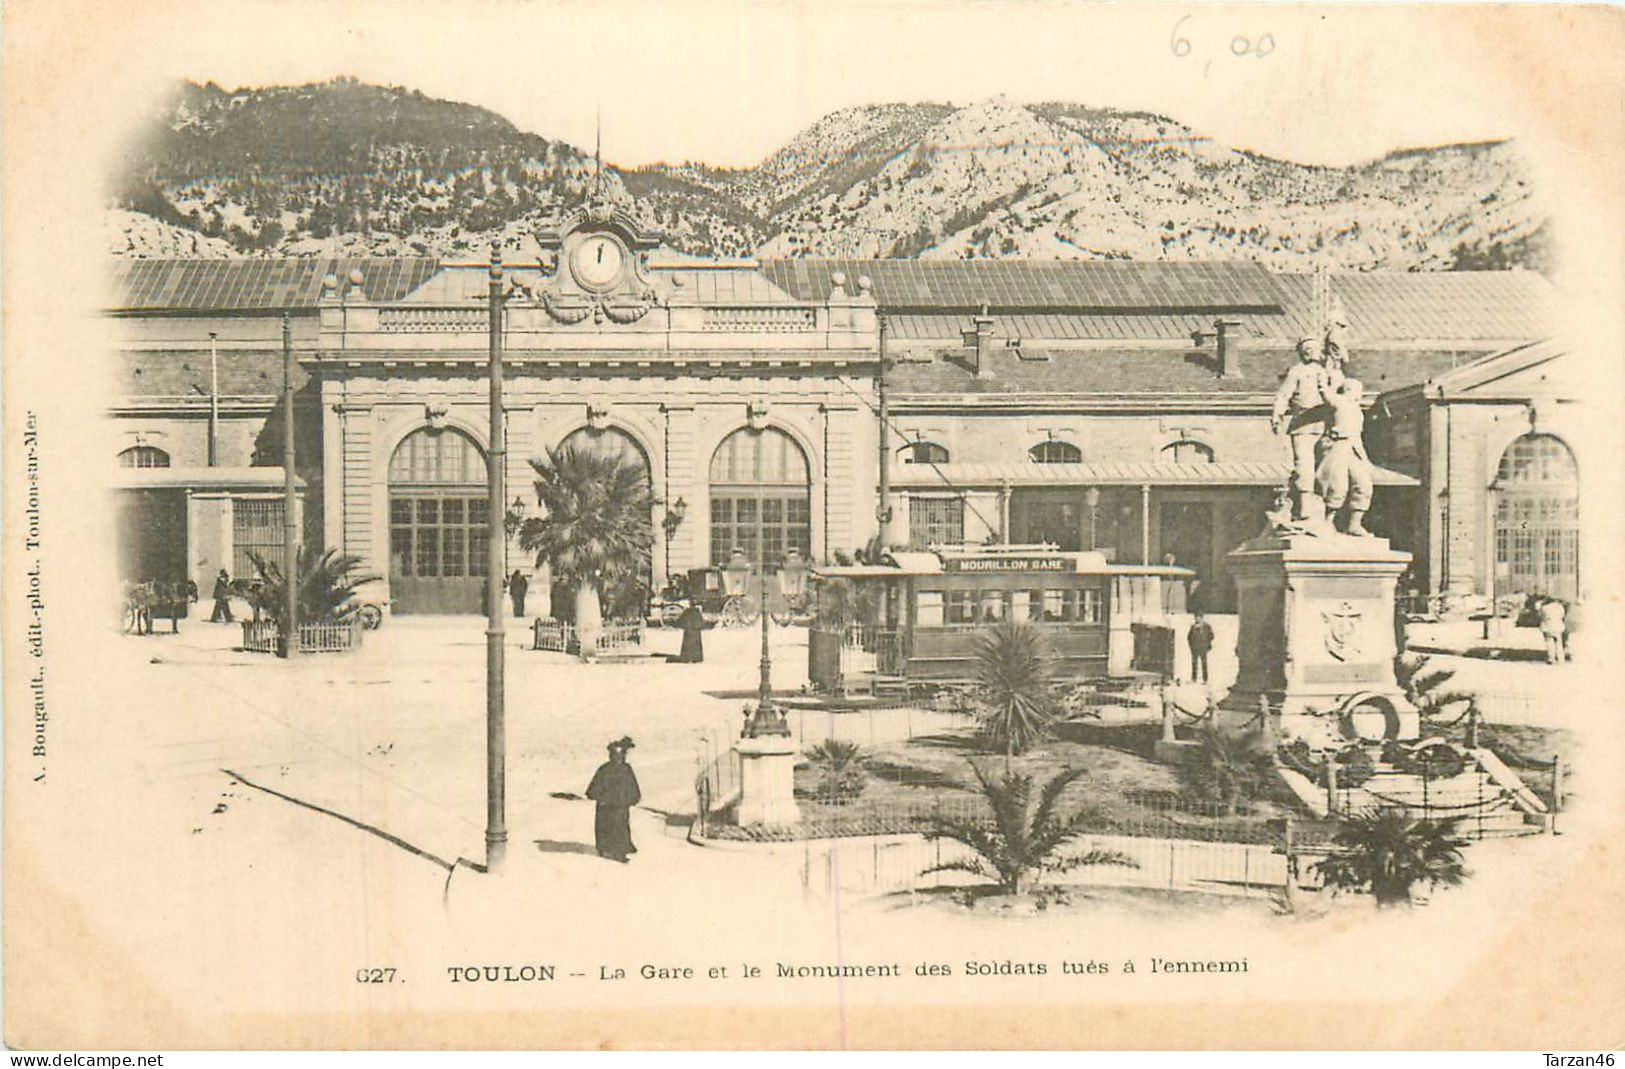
[599,271]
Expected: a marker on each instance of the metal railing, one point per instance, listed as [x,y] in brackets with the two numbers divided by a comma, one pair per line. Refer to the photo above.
[869,648]
[317,636]
[613,637]
[715,788]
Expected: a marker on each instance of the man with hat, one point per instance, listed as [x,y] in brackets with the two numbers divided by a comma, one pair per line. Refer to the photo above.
[615,788]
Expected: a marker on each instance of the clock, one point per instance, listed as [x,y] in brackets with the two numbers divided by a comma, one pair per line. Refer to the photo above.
[597,261]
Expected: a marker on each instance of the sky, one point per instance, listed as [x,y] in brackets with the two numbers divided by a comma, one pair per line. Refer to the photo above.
[727,83]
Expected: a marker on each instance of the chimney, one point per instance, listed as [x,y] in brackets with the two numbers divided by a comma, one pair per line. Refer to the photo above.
[1229,366]
[979,340]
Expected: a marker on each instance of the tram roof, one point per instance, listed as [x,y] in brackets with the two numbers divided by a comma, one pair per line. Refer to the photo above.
[997,560]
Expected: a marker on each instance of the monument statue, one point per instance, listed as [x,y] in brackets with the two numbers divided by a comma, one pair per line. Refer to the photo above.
[1299,411]
[1343,478]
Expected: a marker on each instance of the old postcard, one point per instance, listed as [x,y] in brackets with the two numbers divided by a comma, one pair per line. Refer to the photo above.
[840,525]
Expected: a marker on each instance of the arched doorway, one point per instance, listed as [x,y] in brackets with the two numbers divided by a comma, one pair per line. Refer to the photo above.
[630,600]
[437,528]
[1537,519]
[761,498]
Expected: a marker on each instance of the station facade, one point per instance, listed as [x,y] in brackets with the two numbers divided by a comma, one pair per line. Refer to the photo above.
[1111,406]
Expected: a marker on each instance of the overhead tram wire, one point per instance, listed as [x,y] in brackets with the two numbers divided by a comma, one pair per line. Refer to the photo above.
[901,437]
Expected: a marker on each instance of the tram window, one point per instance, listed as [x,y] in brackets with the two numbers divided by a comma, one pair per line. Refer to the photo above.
[992,606]
[1027,605]
[1054,605]
[959,607]
[928,609]
[1091,606]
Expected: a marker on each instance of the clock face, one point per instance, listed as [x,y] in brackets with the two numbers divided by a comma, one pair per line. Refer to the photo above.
[597,261]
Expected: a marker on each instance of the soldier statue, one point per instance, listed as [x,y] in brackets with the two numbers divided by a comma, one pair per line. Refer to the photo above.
[1299,411]
[1343,478]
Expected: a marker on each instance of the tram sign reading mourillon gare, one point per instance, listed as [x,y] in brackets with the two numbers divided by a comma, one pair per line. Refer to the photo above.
[1008,564]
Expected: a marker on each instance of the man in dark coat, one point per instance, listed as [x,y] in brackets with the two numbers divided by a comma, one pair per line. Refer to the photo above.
[692,621]
[222,599]
[615,788]
[1200,638]
[518,587]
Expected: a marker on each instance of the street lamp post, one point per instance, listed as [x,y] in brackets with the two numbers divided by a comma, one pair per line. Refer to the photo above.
[290,501]
[496,831]
[767,718]
[1091,497]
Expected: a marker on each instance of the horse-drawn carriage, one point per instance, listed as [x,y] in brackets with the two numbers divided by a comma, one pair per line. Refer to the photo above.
[731,595]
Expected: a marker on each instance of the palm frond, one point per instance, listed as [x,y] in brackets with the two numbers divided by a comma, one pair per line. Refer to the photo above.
[1050,795]
[1092,857]
[964,864]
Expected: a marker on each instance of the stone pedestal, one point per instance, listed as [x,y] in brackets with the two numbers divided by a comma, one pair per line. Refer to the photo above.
[767,780]
[1316,639]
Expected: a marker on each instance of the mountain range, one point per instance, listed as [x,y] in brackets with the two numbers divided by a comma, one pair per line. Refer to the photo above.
[346,167]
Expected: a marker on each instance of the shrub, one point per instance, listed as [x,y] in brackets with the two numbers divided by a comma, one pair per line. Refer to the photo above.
[1229,769]
[1387,854]
[1024,836]
[1015,675]
[840,770]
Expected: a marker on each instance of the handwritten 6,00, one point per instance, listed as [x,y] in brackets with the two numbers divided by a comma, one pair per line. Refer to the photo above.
[1240,45]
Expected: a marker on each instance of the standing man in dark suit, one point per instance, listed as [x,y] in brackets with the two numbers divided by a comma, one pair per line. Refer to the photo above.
[1200,638]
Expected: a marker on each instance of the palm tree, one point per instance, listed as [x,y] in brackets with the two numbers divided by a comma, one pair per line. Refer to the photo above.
[1424,685]
[1228,768]
[840,764]
[326,583]
[1024,836]
[595,532]
[1388,853]
[1015,676]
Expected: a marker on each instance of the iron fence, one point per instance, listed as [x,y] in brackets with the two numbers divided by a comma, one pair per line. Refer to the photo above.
[316,636]
[614,637]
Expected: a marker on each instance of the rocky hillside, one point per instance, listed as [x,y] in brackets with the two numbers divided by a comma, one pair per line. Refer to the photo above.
[349,167]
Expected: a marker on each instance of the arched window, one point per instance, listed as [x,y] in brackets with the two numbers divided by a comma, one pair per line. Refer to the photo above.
[923,452]
[1055,451]
[1187,451]
[609,441]
[1537,519]
[760,497]
[143,456]
[437,522]
[437,455]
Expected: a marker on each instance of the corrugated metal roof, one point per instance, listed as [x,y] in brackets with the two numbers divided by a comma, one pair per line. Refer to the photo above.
[1148,473]
[1026,284]
[1083,300]
[1174,370]
[1075,327]
[1444,305]
[257,285]
[733,286]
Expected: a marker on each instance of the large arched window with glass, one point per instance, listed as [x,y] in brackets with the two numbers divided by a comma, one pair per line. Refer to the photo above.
[761,499]
[1537,519]
[609,442]
[437,522]
[143,456]
[1055,451]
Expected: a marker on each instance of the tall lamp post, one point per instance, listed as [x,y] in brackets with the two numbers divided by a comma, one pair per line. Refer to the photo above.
[767,718]
[496,830]
[290,502]
[1091,498]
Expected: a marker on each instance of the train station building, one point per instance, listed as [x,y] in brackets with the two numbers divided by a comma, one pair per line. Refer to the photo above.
[1113,406]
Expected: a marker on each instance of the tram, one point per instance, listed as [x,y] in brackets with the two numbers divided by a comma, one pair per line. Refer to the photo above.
[929,607]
